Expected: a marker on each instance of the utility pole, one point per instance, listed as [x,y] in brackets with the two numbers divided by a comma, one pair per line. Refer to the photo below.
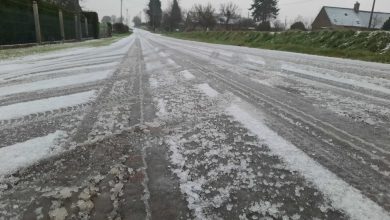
[372,13]
[121,11]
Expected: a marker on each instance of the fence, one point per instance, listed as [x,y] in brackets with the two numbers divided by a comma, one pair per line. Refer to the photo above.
[27,21]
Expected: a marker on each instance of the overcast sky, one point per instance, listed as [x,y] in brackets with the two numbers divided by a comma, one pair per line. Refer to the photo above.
[289,9]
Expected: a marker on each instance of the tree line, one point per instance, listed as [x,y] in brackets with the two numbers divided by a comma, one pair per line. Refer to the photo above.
[206,16]
[227,16]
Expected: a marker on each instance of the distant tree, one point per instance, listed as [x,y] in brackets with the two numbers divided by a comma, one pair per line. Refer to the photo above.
[114,19]
[120,28]
[205,16]
[137,21]
[72,5]
[264,10]
[299,25]
[278,25]
[264,26]
[246,23]
[154,13]
[229,11]
[106,19]
[166,21]
[191,21]
[386,25]
[175,15]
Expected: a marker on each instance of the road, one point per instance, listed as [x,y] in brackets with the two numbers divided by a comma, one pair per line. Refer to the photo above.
[153,127]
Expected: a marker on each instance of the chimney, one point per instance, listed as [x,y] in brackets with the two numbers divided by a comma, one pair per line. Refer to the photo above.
[356,8]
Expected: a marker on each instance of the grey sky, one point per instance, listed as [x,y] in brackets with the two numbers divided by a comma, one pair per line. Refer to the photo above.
[289,9]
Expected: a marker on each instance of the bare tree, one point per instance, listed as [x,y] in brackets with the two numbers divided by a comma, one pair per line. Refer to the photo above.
[229,11]
[205,16]
[278,25]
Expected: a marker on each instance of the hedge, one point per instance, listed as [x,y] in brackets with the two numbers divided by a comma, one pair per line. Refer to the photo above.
[93,24]
[17,22]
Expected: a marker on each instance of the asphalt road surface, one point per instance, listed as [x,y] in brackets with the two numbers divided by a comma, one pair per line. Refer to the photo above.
[153,127]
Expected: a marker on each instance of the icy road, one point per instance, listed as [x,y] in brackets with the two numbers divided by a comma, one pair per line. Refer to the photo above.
[152,127]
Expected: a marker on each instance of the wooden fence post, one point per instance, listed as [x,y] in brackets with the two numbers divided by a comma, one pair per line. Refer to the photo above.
[77,26]
[86,27]
[61,17]
[37,23]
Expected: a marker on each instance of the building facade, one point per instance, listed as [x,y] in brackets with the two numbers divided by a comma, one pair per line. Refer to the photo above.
[350,18]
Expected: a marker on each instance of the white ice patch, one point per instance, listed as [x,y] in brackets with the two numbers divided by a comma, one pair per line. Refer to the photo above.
[352,82]
[342,195]
[256,60]
[153,83]
[152,66]
[161,106]
[189,188]
[187,75]
[265,82]
[54,83]
[27,153]
[162,54]
[206,89]
[43,105]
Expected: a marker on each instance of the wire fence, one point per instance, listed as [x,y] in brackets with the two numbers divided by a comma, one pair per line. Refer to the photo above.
[17,24]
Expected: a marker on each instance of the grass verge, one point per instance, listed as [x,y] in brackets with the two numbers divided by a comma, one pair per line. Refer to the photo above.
[19,52]
[367,46]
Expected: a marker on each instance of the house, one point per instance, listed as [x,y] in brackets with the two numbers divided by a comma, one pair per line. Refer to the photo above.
[351,18]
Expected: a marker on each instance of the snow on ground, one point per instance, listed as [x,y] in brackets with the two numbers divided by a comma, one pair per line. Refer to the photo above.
[79,70]
[161,106]
[256,60]
[359,82]
[342,195]
[55,83]
[61,59]
[27,153]
[352,108]
[187,75]
[208,90]
[224,171]
[43,105]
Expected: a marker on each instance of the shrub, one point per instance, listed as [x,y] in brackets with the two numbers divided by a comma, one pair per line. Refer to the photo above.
[264,26]
[298,26]
[119,28]
[386,25]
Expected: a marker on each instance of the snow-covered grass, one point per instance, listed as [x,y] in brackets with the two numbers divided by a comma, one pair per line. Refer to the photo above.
[342,43]
[27,153]
[342,195]
[43,105]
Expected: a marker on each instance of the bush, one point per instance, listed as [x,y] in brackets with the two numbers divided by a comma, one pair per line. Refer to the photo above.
[298,26]
[119,28]
[264,26]
[386,25]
